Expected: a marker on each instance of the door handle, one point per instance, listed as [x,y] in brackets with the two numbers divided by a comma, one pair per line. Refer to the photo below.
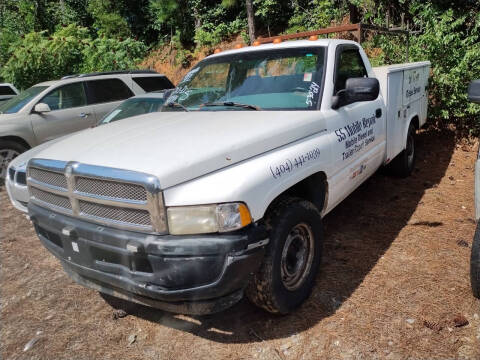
[378,113]
[83,115]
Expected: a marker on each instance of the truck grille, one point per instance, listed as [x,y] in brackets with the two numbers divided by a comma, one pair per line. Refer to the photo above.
[130,216]
[111,189]
[115,197]
[49,177]
[48,198]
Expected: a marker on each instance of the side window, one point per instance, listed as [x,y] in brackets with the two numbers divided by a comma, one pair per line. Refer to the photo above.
[349,65]
[153,83]
[108,90]
[66,97]
[7,90]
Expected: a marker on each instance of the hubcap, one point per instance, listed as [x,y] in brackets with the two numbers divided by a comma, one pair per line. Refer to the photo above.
[297,256]
[410,150]
[6,155]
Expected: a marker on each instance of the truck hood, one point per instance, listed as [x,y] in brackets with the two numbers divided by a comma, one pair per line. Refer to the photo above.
[180,146]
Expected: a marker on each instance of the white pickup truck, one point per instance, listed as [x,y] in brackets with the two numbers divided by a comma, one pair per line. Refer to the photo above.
[224,191]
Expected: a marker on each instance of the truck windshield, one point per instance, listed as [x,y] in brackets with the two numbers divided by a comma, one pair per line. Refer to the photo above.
[276,79]
[16,103]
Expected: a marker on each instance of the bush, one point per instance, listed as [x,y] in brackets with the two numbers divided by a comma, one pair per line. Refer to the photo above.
[38,57]
[104,54]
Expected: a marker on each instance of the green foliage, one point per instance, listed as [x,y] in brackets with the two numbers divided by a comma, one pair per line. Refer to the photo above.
[39,57]
[108,20]
[104,54]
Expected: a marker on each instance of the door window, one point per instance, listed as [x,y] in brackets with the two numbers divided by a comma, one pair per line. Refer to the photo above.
[349,65]
[66,97]
[107,90]
[153,83]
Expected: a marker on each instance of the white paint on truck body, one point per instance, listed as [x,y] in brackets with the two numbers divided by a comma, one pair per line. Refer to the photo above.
[254,156]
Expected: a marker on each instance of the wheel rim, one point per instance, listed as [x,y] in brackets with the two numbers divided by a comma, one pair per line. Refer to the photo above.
[6,156]
[297,256]
[410,149]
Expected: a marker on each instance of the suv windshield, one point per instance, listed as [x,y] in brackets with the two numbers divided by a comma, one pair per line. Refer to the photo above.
[279,79]
[133,107]
[16,103]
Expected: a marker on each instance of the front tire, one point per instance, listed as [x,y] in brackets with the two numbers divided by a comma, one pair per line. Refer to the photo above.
[287,275]
[9,150]
[475,263]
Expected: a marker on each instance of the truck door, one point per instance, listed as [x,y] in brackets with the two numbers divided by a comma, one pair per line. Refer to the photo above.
[357,130]
[69,112]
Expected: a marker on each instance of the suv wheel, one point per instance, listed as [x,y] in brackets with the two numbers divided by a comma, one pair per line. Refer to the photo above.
[9,150]
[287,275]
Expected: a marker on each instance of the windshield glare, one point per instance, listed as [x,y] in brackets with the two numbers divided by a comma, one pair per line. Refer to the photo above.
[133,107]
[283,79]
[16,103]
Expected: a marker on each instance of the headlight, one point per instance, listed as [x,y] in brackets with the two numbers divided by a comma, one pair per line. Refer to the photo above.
[203,219]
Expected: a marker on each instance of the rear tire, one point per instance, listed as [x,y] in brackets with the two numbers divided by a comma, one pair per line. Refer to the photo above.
[404,164]
[287,275]
[475,263]
[9,150]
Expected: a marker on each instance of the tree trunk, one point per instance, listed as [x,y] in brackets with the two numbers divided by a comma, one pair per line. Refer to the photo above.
[250,18]
[354,14]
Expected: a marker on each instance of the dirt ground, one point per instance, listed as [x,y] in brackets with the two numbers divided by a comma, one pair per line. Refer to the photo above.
[394,284]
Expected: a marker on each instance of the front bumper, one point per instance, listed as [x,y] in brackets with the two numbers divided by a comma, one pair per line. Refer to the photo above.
[186,274]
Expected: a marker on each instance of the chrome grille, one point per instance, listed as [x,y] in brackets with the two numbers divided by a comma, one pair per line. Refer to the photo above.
[129,216]
[116,197]
[48,177]
[50,198]
[113,189]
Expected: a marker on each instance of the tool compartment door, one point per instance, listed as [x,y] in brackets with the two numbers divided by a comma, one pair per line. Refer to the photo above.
[395,114]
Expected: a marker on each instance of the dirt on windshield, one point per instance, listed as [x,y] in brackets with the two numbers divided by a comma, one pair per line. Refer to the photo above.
[394,284]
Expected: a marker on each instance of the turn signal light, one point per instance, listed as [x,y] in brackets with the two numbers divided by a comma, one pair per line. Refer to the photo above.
[313,38]
[277,40]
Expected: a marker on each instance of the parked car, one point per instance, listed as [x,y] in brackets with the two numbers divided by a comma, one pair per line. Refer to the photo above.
[474,96]
[137,105]
[226,194]
[16,181]
[55,108]
[7,91]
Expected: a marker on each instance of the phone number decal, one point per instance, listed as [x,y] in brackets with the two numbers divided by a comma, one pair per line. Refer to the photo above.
[289,165]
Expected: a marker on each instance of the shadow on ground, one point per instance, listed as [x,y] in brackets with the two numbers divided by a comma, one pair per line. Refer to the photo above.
[357,234]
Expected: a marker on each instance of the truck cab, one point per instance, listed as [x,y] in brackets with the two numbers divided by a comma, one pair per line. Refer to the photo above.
[225,195]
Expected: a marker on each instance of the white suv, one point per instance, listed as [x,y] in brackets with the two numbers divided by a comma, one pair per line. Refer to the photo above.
[55,108]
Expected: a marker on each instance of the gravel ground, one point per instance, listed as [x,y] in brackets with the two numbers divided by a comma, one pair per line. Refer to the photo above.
[394,284]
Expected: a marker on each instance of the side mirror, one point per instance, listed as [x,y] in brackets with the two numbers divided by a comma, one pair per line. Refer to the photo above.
[474,91]
[41,108]
[356,89]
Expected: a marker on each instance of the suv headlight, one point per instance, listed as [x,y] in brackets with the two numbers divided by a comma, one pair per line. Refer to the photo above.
[201,219]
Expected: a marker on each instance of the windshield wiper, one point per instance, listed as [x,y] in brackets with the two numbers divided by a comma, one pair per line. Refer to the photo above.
[174,104]
[231,103]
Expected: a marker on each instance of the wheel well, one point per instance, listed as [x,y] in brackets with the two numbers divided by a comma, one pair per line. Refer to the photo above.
[416,122]
[17,140]
[313,188]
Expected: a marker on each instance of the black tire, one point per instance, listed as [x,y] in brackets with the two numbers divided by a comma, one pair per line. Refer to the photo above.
[291,222]
[404,164]
[475,263]
[8,147]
